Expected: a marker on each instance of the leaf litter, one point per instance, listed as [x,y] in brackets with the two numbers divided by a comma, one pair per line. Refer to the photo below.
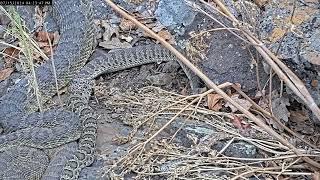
[163,156]
[187,148]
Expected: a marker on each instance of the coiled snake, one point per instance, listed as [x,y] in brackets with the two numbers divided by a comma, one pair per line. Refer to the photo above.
[66,135]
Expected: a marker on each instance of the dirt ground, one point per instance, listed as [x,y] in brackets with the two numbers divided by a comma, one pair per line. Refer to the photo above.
[206,138]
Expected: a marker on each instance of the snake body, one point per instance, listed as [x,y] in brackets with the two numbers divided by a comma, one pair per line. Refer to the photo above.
[28,134]
[57,127]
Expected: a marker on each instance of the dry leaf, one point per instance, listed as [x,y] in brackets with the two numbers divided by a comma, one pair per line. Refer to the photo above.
[109,31]
[5,73]
[243,102]
[127,25]
[126,38]
[316,175]
[36,56]
[237,122]
[47,51]
[11,54]
[261,3]
[165,34]
[214,102]
[42,36]
[111,38]
[301,122]
[279,108]
[298,116]
[314,83]
[115,43]
[42,44]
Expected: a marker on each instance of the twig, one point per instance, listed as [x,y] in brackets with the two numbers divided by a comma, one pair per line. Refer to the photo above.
[255,105]
[292,81]
[211,84]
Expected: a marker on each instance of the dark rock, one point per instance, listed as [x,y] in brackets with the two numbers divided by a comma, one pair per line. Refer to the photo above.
[227,58]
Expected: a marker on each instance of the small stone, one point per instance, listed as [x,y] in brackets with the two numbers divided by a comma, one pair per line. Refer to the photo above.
[160,79]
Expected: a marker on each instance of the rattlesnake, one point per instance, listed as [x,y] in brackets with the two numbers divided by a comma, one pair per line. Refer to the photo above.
[56,127]
[27,137]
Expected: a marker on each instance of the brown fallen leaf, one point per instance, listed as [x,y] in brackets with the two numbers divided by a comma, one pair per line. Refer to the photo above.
[42,44]
[261,3]
[314,83]
[47,51]
[238,123]
[37,57]
[11,56]
[127,25]
[298,116]
[214,102]
[5,73]
[279,108]
[166,35]
[243,102]
[114,43]
[42,36]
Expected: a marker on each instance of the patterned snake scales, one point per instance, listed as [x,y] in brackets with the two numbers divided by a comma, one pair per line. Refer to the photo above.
[60,142]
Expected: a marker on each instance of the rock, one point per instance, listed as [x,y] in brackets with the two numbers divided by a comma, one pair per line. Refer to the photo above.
[174,13]
[239,149]
[160,79]
[229,61]
[94,172]
[224,58]
[295,39]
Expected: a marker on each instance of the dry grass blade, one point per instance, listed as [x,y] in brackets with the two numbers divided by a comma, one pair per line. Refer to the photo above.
[19,32]
[53,67]
[164,156]
[266,113]
[184,60]
[34,45]
[285,74]
[10,45]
